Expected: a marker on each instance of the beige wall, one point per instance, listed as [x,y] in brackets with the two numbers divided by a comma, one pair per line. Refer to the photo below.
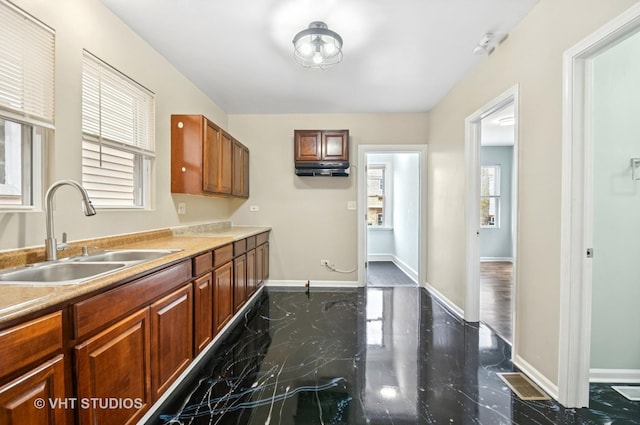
[309,215]
[532,58]
[88,24]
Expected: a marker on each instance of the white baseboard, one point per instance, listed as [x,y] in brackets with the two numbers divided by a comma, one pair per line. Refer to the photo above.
[542,381]
[413,275]
[314,283]
[446,301]
[380,257]
[619,376]
[496,259]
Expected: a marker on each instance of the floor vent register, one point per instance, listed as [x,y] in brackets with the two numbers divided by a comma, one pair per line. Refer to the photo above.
[524,388]
[630,392]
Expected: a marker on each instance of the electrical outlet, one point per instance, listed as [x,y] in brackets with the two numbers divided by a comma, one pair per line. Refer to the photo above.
[182,208]
[324,262]
[254,208]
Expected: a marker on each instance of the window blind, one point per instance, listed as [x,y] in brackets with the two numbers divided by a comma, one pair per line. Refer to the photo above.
[118,126]
[26,67]
[116,108]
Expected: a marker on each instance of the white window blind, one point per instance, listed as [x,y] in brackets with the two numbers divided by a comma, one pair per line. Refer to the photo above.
[118,125]
[26,67]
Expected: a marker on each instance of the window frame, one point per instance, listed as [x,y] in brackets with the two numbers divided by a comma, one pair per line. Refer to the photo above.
[387,195]
[100,78]
[27,99]
[497,196]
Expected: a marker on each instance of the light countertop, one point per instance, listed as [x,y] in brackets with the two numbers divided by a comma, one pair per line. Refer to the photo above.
[21,300]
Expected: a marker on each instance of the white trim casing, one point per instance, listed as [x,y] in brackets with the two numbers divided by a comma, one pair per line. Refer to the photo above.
[496,259]
[362,227]
[313,283]
[577,207]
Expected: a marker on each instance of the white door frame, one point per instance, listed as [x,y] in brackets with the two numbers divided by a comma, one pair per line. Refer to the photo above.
[362,206]
[577,207]
[472,216]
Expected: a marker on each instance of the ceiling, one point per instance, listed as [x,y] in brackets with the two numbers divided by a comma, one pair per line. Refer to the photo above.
[494,131]
[399,56]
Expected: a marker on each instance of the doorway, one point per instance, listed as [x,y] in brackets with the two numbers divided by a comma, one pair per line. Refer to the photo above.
[491,205]
[391,211]
[497,212]
[598,293]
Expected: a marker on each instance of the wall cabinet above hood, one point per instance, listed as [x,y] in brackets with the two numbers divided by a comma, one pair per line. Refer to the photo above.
[321,152]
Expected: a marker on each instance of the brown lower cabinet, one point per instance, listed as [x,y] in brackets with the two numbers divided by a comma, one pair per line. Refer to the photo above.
[116,364]
[171,343]
[42,384]
[124,347]
[203,312]
[222,296]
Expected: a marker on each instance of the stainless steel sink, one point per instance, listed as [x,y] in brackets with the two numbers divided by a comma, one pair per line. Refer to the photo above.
[128,255]
[60,273]
[79,269]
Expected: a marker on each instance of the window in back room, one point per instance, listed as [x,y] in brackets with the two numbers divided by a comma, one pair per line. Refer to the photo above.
[27,49]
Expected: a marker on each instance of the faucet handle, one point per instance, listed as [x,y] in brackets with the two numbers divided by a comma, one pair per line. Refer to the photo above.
[62,246]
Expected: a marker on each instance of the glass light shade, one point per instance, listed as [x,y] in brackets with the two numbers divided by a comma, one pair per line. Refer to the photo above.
[317,46]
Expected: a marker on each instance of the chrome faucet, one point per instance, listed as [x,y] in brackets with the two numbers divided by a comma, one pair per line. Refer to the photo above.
[50,244]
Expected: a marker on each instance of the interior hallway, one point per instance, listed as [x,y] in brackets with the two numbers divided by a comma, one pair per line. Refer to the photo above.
[364,356]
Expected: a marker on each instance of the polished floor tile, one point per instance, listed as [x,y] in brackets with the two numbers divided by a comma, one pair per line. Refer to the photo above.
[364,356]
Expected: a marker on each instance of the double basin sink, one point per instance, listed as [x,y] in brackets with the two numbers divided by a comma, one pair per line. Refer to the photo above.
[79,269]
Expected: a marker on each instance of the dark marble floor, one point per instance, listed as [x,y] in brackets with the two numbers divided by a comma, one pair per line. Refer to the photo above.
[364,356]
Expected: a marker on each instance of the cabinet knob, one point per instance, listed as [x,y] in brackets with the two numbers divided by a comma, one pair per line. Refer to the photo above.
[184,169]
[180,124]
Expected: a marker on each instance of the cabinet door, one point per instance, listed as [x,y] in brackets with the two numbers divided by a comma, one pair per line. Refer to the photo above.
[265,263]
[20,399]
[240,170]
[226,164]
[211,158]
[222,295]
[252,282]
[203,314]
[259,265]
[308,145]
[171,338]
[116,364]
[239,281]
[335,145]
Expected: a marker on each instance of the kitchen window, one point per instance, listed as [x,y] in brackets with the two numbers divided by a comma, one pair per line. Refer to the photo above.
[27,60]
[118,137]
[490,196]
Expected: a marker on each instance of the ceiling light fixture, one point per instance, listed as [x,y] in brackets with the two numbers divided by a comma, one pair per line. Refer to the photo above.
[317,46]
[506,121]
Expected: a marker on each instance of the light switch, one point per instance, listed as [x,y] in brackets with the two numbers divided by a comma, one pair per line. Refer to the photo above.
[254,208]
[351,205]
[182,208]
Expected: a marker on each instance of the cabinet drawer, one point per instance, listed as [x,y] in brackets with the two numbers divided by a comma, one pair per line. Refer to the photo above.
[202,263]
[239,247]
[251,242]
[29,342]
[262,238]
[222,255]
[102,309]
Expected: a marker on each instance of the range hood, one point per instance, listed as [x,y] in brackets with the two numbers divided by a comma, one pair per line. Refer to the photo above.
[322,168]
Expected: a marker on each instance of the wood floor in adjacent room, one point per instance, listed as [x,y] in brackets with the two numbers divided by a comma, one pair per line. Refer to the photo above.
[496,287]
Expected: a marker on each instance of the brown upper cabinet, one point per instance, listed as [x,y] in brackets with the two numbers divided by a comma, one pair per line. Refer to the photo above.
[321,145]
[204,159]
